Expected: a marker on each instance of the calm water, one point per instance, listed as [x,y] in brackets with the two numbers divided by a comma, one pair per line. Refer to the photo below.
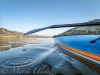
[37,57]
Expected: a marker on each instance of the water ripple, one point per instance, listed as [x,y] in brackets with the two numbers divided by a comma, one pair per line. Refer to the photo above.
[17,62]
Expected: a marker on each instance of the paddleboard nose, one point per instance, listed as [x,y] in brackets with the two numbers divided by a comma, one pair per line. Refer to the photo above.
[64,25]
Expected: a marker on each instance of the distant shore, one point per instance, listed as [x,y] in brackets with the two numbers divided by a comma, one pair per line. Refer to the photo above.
[28,36]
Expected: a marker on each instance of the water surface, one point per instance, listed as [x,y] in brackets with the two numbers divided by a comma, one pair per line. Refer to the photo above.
[37,57]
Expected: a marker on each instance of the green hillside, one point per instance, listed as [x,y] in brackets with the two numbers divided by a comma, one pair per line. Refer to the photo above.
[84,30]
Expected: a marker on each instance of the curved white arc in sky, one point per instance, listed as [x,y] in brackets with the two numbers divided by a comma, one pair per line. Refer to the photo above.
[64,25]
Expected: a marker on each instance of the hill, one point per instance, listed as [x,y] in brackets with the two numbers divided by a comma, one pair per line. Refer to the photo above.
[5,31]
[84,30]
[14,34]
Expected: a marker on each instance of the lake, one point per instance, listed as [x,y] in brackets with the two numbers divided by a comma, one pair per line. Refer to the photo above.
[37,56]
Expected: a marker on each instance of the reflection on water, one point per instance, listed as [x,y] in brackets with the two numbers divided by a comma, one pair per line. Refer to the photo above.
[7,43]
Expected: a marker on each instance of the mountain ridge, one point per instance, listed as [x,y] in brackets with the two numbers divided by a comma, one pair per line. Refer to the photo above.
[15,34]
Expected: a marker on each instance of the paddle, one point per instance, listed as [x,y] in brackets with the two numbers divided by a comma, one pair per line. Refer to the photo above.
[64,25]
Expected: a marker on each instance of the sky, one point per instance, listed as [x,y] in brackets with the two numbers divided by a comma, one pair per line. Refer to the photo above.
[25,15]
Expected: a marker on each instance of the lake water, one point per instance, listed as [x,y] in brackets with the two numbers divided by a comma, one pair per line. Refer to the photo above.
[37,56]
